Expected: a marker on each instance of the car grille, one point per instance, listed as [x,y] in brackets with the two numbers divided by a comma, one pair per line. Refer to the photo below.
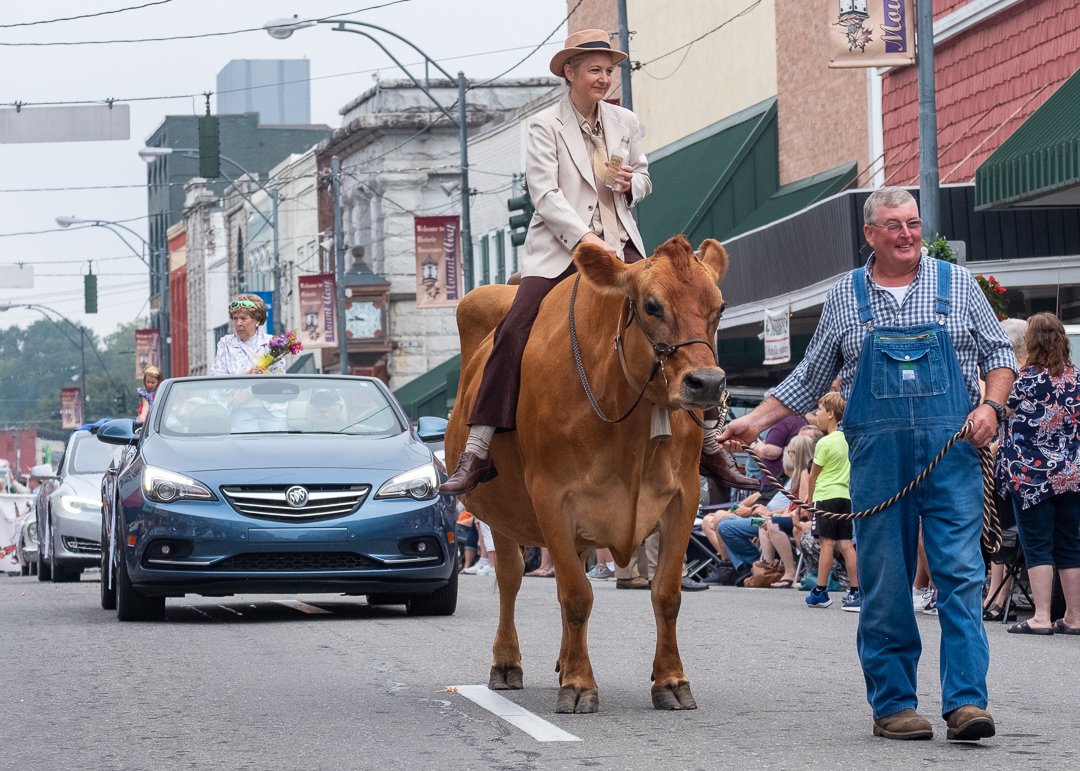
[299,561]
[81,545]
[270,502]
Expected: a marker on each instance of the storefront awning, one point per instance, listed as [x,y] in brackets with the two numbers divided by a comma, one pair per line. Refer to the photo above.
[1039,165]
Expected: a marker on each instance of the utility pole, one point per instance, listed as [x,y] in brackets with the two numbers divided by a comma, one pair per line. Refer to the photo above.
[339,266]
[624,67]
[275,298]
[929,180]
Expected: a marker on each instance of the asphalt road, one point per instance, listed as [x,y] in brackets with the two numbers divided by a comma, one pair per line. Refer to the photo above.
[258,682]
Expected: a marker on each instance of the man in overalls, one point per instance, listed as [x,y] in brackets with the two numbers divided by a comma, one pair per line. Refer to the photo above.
[909,335]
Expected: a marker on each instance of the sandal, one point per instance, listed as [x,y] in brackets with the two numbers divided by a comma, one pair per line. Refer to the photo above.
[787,583]
[1059,627]
[1025,628]
[541,573]
[995,613]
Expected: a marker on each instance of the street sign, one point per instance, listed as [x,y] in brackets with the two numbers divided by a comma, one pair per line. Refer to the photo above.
[79,123]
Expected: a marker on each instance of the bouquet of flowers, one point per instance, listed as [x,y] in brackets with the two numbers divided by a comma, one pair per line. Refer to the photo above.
[995,294]
[278,347]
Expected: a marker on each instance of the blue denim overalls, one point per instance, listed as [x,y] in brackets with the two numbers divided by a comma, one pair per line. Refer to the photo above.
[908,398]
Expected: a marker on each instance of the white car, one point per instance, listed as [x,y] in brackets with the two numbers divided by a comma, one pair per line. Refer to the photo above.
[69,510]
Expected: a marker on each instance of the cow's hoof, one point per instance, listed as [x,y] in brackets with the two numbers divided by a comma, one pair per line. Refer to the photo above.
[506,677]
[576,699]
[677,696]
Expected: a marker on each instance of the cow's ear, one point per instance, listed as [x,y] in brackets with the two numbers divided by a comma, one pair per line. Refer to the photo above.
[714,255]
[603,271]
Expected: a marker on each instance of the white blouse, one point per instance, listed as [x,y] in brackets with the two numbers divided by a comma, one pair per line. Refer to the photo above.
[236,356]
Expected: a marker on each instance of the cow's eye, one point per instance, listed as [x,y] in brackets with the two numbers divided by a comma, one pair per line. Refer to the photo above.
[720,313]
[653,308]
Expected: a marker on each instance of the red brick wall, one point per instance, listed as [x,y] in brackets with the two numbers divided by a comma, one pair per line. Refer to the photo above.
[178,321]
[17,448]
[821,112]
[989,79]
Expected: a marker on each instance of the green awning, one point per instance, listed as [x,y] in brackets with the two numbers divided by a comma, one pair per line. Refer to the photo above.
[433,392]
[796,196]
[709,181]
[1039,165]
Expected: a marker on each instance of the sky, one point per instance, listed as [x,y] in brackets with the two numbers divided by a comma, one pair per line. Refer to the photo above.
[40,181]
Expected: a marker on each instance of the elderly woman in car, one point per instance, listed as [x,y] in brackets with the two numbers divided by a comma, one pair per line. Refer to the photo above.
[241,352]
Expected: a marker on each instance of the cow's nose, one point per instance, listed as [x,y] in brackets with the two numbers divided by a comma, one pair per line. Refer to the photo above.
[704,386]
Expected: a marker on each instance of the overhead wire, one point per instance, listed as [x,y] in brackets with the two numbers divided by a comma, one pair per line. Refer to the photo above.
[84,15]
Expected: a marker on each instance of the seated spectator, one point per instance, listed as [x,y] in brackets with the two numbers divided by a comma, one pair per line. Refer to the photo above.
[739,533]
[466,536]
[775,535]
[770,451]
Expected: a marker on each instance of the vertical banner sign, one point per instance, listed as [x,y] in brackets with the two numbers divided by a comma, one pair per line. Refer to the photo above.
[438,262]
[777,337]
[71,407]
[147,350]
[871,33]
[318,311]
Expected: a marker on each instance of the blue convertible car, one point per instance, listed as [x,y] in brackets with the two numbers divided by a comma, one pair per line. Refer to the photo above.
[263,484]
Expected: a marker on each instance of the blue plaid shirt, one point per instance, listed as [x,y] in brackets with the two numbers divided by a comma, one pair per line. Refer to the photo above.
[978,339]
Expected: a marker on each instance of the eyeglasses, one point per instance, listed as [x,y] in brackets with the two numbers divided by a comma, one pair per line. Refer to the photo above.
[893,226]
[241,304]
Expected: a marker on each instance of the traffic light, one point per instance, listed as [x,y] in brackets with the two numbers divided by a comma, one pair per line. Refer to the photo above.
[521,213]
[209,147]
[90,293]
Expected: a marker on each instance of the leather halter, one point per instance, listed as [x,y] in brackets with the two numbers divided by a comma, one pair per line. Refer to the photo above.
[661,353]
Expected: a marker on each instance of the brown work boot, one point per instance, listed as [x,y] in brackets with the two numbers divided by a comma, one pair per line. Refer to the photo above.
[969,723]
[905,724]
[471,470]
[637,582]
[721,465]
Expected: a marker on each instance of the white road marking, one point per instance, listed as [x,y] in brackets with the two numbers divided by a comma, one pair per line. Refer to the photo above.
[515,715]
[303,607]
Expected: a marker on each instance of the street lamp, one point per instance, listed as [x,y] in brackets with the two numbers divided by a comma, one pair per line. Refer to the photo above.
[66,221]
[148,154]
[283,28]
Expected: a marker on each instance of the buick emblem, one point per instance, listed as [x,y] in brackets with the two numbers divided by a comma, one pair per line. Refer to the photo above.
[296,496]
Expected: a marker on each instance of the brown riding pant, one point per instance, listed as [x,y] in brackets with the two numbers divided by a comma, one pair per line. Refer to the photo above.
[497,397]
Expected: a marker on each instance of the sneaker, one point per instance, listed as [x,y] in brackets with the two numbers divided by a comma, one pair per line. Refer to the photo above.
[929,603]
[600,573]
[852,601]
[818,599]
[474,568]
[486,570]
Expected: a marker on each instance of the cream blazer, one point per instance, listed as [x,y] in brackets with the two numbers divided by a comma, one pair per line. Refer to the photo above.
[562,186]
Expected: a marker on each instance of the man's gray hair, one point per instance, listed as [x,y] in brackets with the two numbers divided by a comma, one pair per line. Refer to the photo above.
[1016,329]
[887,197]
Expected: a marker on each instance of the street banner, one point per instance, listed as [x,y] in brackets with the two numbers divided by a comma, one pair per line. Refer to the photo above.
[871,33]
[318,311]
[438,261]
[147,351]
[71,407]
[777,337]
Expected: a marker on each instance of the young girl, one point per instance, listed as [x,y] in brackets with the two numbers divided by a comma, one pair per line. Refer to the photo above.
[151,379]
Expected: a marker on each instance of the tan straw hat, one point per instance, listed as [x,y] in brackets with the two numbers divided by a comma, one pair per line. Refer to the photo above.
[585,41]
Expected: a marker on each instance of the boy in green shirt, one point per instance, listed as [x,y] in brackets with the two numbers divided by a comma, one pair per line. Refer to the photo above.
[829,492]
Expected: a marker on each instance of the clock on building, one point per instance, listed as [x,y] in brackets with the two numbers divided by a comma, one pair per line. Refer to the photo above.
[363,320]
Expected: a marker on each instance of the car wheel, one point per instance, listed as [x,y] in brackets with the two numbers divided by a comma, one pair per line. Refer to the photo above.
[108,584]
[441,602]
[44,571]
[132,605]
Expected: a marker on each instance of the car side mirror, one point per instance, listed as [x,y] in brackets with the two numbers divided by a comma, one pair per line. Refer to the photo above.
[431,429]
[120,431]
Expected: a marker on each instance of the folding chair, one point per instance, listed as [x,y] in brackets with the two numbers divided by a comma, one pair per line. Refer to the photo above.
[700,555]
[1012,557]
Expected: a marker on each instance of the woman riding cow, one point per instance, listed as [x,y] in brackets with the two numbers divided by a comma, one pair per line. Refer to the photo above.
[585,169]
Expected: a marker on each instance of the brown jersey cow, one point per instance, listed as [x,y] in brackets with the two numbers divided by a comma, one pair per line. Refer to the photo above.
[570,481]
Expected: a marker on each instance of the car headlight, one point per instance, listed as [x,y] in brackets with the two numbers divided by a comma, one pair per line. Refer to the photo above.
[168,486]
[420,483]
[76,504]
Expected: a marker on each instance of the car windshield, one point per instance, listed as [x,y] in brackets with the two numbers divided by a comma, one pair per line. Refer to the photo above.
[88,455]
[275,405]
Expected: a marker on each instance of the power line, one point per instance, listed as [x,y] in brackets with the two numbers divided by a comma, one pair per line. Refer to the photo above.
[84,16]
[536,48]
[743,12]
